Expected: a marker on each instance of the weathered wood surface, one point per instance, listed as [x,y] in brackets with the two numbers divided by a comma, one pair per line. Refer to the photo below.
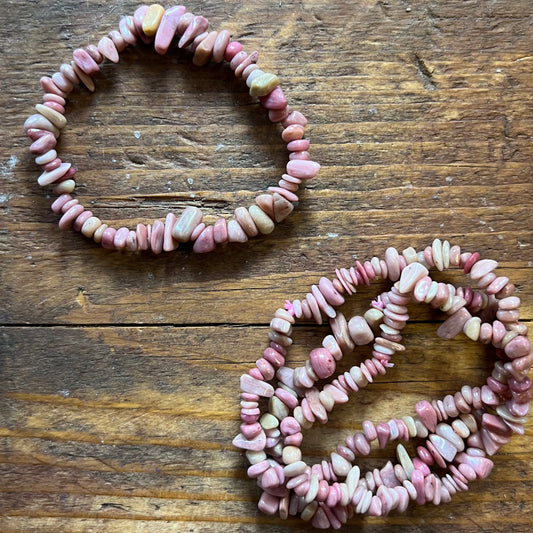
[119,374]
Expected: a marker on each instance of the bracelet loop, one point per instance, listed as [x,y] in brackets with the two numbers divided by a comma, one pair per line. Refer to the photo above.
[154,24]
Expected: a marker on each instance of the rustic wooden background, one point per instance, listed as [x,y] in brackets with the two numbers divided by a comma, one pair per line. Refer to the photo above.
[119,374]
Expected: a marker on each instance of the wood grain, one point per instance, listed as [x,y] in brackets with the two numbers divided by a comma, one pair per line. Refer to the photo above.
[119,373]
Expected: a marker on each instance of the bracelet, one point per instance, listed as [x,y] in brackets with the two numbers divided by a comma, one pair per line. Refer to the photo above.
[155,24]
[458,431]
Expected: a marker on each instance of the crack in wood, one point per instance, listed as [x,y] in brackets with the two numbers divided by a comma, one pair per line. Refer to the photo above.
[110,505]
[425,73]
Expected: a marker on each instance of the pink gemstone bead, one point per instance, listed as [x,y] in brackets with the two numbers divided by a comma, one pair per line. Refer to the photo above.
[85,62]
[256,374]
[287,398]
[256,386]
[38,121]
[167,28]
[498,333]
[304,155]
[220,229]
[410,276]
[383,431]
[43,144]
[369,430]
[119,41]
[55,106]
[36,133]
[121,237]
[274,357]
[481,465]
[497,285]
[143,240]
[422,466]
[232,49]
[288,195]
[521,366]
[422,288]
[424,455]
[259,468]
[277,115]
[453,325]
[303,169]
[294,117]
[50,97]
[127,30]
[470,262]
[266,369]
[482,268]
[294,440]
[256,444]
[445,448]
[70,216]
[417,479]
[221,43]
[246,62]
[486,280]
[510,303]
[108,49]
[330,293]
[169,243]
[518,409]
[108,238]
[518,347]
[197,26]
[360,331]
[274,100]
[238,59]
[251,431]
[292,133]
[93,51]
[49,86]
[48,177]
[52,165]
[323,362]
[157,237]
[393,263]
[60,202]
[519,386]
[298,146]
[131,241]
[205,241]
[80,220]
[427,414]
[322,303]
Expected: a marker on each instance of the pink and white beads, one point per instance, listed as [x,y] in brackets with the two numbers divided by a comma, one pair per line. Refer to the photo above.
[155,24]
[457,433]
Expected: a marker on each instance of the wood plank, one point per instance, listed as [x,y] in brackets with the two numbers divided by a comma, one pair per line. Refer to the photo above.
[115,445]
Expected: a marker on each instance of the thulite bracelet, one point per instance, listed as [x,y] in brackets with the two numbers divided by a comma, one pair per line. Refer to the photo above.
[155,24]
[457,432]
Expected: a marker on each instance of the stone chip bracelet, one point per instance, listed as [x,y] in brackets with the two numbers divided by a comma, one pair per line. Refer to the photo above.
[456,434]
[154,24]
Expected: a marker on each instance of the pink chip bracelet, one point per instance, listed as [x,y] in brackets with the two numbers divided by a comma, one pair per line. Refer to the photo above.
[154,24]
[457,433]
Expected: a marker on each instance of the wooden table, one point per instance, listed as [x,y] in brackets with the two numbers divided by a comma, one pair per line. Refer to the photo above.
[119,374]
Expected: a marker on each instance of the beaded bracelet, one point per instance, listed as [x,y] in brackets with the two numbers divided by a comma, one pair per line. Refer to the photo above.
[458,431]
[155,24]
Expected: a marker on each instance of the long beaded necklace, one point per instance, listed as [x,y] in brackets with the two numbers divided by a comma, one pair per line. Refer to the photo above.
[457,433]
